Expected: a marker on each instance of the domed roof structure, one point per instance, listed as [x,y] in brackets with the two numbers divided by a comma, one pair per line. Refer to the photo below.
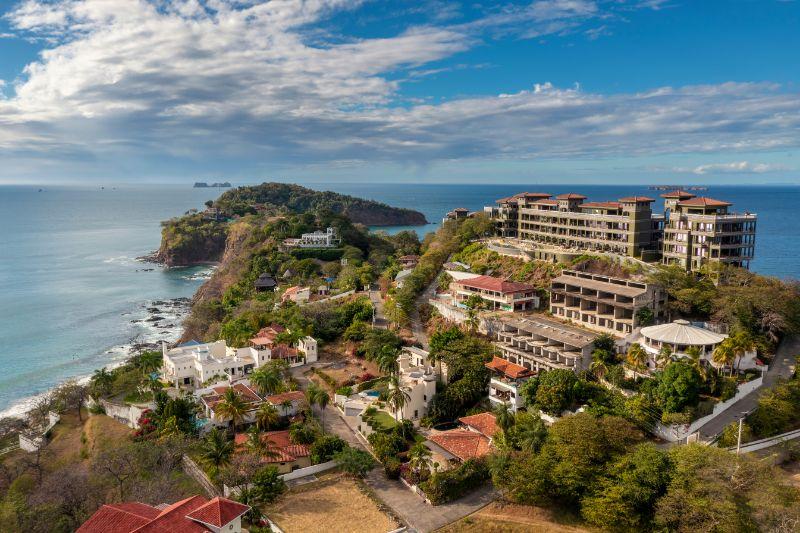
[681,332]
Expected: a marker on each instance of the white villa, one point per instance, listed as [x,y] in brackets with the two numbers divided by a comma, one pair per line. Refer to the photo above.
[680,335]
[192,364]
[317,239]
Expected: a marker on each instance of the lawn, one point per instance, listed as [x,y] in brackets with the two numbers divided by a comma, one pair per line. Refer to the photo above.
[382,420]
[511,518]
[335,503]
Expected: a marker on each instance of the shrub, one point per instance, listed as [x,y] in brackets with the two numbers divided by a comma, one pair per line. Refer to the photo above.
[443,487]
[392,468]
[555,391]
[344,391]
[366,376]
[325,447]
[354,461]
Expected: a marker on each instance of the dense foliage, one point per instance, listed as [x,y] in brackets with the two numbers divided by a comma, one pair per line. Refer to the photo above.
[449,485]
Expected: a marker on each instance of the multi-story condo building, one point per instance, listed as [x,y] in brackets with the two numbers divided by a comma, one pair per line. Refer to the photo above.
[603,303]
[627,226]
[505,382]
[700,230]
[497,294]
[537,343]
[691,232]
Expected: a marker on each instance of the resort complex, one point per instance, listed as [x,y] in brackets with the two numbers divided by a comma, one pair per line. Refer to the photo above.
[692,231]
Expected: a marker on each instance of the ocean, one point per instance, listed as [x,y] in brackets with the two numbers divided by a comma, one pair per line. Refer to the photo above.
[74,297]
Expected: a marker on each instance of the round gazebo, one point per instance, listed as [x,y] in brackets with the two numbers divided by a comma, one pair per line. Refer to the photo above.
[680,335]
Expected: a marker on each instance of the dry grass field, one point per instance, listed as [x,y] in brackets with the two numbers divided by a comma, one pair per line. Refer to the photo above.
[510,518]
[335,503]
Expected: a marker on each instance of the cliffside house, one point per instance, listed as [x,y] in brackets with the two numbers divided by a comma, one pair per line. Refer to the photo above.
[192,364]
[266,283]
[408,261]
[317,239]
[498,294]
[505,382]
[195,514]
[282,453]
[456,214]
[296,294]
[209,398]
[604,303]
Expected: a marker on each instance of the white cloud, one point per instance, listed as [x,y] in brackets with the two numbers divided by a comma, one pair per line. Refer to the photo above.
[738,167]
[133,83]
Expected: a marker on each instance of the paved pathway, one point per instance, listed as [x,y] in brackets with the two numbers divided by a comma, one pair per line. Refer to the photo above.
[782,367]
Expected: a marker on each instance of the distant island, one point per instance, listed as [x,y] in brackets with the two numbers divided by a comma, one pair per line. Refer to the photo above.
[204,185]
[678,187]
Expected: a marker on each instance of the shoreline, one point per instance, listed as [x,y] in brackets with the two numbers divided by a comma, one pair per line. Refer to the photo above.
[160,320]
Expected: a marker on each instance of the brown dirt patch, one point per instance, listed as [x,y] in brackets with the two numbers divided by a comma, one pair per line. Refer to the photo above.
[511,518]
[333,504]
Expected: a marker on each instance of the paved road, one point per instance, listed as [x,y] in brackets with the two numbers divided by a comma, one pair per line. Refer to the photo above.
[377,304]
[416,324]
[782,367]
[418,515]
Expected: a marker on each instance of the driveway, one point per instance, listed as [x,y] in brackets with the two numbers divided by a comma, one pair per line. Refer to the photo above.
[782,367]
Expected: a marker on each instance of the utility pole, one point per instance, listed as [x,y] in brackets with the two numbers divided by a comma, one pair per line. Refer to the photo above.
[739,438]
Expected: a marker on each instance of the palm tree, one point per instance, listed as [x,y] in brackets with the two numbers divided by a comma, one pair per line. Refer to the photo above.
[266,379]
[216,449]
[396,397]
[102,381]
[231,407]
[260,446]
[664,356]
[695,354]
[742,343]
[323,399]
[724,354]
[149,362]
[529,431]
[599,367]
[637,357]
[266,416]
[387,359]
[504,416]
[286,405]
[419,459]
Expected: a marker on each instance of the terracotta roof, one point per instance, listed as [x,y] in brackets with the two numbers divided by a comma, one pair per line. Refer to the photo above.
[463,443]
[483,423]
[283,351]
[460,210]
[605,205]
[218,512]
[630,199]
[279,443]
[173,518]
[677,193]
[490,283]
[292,396]
[267,334]
[119,518]
[508,368]
[243,391]
[517,196]
[570,196]
[546,201]
[704,202]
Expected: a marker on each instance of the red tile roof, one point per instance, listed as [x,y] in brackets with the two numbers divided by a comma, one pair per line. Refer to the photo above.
[508,368]
[243,391]
[267,335]
[283,351]
[292,396]
[463,443]
[704,202]
[546,202]
[677,193]
[119,518]
[631,199]
[483,423]
[524,195]
[279,443]
[490,283]
[570,196]
[191,515]
[218,512]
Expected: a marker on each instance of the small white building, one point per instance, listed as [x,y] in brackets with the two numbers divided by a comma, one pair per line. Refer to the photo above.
[192,364]
[296,294]
[317,239]
[418,378]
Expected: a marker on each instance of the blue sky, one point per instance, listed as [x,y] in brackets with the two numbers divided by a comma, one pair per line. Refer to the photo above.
[590,91]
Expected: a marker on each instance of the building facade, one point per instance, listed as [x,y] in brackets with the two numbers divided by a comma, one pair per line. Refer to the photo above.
[604,303]
[691,232]
[316,239]
[497,294]
[699,231]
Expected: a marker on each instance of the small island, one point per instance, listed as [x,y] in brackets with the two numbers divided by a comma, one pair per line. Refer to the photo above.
[205,185]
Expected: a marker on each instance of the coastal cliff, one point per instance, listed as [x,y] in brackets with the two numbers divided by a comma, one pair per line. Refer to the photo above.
[201,238]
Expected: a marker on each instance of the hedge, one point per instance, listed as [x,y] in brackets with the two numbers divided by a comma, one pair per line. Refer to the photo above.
[323,254]
[443,487]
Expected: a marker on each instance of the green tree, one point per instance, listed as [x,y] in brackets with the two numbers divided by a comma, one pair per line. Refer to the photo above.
[637,357]
[231,407]
[267,380]
[354,461]
[266,416]
[101,382]
[420,460]
[725,354]
[267,485]
[678,387]
[397,397]
[216,449]
[555,391]
[325,447]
